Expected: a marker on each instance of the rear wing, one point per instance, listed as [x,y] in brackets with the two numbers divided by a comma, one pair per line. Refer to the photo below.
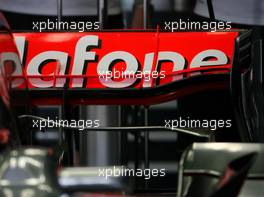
[141,68]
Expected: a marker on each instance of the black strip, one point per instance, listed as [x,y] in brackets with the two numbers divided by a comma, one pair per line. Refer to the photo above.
[122,93]
[210,9]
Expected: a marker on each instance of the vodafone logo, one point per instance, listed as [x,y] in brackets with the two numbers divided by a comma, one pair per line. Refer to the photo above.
[91,60]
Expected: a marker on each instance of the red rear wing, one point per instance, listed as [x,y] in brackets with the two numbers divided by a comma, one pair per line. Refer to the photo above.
[8,57]
[121,67]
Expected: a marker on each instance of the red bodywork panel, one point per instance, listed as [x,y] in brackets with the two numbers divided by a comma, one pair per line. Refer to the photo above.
[82,61]
[8,55]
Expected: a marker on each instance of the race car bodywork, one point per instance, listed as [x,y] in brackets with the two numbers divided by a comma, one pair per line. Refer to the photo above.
[28,172]
[122,67]
[9,57]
